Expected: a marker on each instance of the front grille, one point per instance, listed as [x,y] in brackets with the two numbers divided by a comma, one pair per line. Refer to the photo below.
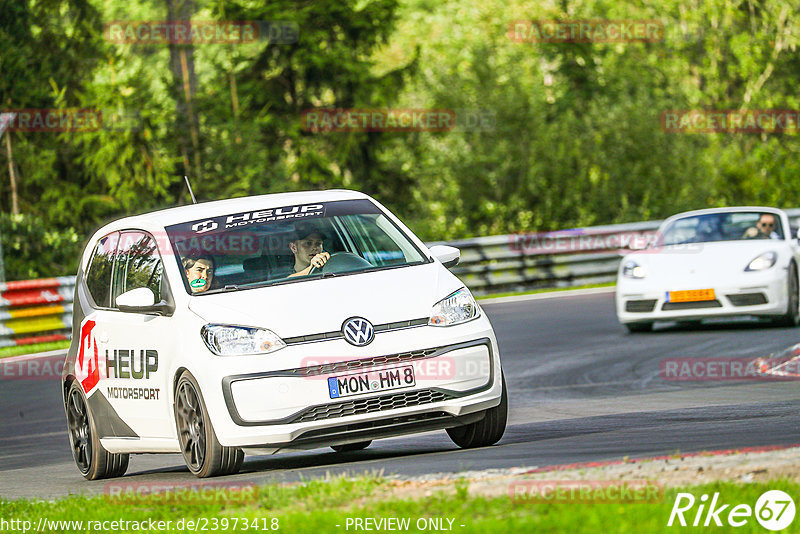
[350,365]
[370,405]
[747,299]
[640,306]
[691,305]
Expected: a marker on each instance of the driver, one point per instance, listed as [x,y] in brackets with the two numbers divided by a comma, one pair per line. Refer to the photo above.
[199,272]
[307,249]
[764,228]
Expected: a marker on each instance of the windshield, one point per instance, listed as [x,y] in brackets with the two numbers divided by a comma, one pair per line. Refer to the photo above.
[726,226]
[288,244]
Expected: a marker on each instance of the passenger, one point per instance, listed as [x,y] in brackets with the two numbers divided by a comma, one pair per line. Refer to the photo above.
[764,228]
[307,249]
[199,271]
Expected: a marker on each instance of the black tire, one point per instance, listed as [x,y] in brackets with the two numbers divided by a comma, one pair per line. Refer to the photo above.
[488,430]
[635,328]
[92,460]
[792,315]
[204,455]
[350,447]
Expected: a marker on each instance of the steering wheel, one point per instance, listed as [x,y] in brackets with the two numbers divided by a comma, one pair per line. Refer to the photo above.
[342,262]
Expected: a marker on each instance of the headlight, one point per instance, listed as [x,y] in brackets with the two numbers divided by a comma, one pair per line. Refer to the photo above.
[765,261]
[456,308]
[239,340]
[631,269]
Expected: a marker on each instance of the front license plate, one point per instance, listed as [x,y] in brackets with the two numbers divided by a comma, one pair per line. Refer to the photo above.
[370,382]
[691,295]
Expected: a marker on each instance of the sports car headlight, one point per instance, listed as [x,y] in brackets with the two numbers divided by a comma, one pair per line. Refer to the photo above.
[631,269]
[455,308]
[764,261]
[225,340]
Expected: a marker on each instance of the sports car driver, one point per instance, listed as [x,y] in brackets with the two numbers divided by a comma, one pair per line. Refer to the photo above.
[764,228]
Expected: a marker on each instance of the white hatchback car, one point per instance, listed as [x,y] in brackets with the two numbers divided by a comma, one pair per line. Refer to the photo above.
[711,263]
[205,330]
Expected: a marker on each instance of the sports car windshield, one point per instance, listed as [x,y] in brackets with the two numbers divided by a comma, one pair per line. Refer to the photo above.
[288,244]
[725,226]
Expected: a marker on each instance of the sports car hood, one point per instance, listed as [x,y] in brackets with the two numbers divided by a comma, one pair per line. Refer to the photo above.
[322,305]
[705,262]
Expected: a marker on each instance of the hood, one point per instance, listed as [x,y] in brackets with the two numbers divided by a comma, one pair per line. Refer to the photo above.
[706,262]
[322,305]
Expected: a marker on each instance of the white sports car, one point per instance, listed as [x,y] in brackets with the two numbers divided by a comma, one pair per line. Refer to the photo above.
[268,323]
[711,263]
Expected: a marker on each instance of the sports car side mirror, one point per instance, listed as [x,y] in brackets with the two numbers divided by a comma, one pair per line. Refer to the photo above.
[449,256]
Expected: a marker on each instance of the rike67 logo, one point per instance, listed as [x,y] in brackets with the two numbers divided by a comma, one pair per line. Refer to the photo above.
[87,364]
[774,510]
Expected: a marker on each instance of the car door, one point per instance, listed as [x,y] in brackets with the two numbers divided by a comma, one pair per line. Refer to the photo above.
[136,345]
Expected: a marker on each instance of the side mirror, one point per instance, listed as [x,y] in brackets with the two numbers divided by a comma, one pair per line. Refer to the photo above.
[142,300]
[449,256]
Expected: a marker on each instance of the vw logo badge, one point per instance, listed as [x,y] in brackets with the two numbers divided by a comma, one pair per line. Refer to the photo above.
[358,331]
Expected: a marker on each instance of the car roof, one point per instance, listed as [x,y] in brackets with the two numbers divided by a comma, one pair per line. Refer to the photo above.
[191,212]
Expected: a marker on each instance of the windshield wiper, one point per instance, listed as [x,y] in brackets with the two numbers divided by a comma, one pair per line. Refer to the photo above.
[228,288]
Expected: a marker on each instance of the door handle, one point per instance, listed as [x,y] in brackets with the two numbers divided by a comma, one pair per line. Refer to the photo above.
[103,337]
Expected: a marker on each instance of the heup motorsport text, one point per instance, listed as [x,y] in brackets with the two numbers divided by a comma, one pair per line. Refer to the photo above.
[126,364]
[261,216]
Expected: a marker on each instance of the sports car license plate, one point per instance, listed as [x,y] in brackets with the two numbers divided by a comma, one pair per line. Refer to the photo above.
[691,295]
[370,382]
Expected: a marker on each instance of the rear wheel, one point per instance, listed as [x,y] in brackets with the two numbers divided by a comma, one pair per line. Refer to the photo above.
[488,430]
[635,328]
[350,447]
[792,315]
[93,461]
[202,451]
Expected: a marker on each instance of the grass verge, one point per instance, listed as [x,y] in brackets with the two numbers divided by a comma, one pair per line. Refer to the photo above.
[544,290]
[32,349]
[323,506]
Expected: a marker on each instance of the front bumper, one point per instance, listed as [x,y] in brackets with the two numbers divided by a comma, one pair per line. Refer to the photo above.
[761,295]
[291,408]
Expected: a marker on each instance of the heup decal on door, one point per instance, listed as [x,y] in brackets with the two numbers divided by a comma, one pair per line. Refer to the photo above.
[87,364]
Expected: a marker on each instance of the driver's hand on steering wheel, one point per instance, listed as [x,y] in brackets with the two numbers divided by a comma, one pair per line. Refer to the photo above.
[319,260]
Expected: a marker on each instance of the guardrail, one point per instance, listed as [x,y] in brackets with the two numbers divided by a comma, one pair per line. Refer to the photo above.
[38,311]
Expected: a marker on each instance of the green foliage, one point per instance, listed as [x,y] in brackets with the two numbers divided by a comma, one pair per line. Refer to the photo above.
[32,250]
[573,137]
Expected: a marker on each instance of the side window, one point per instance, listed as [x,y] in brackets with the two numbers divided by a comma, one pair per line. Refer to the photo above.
[138,265]
[98,277]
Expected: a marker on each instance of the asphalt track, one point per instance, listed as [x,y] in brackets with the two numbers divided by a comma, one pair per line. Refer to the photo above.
[581,389]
